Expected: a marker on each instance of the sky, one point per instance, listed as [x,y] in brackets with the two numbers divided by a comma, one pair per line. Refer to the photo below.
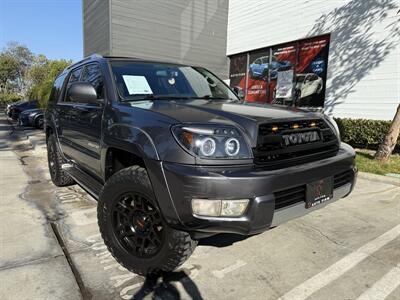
[49,27]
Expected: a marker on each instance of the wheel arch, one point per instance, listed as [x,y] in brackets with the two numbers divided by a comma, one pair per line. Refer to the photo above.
[118,158]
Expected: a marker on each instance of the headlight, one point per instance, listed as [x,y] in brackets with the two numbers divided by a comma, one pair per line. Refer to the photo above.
[212,142]
[334,125]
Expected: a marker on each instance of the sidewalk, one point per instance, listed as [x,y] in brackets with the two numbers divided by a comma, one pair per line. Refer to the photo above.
[32,263]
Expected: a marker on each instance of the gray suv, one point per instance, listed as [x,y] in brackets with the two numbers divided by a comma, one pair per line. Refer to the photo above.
[173,155]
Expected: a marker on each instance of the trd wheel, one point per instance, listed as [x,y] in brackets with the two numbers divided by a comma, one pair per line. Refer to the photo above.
[133,228]
[58,176]
[137,225]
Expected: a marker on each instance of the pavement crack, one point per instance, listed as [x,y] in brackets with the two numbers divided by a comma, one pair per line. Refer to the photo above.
[321,233]
[30,262]
[84,291]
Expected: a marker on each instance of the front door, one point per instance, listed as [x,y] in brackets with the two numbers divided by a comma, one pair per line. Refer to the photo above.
[83,127]
[86,127]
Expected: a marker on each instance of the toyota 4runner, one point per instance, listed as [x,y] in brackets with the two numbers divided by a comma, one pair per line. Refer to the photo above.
[173,155]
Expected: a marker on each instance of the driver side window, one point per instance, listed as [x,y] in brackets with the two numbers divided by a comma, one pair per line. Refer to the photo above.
[92,74]
[74,77]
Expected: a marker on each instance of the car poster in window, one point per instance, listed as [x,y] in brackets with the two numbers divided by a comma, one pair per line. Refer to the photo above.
[303,62]
[284,84]
[283,62]
[258,72]
[237,74]
[311,71]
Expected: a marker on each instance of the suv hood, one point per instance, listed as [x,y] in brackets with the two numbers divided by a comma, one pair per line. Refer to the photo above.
[246,116]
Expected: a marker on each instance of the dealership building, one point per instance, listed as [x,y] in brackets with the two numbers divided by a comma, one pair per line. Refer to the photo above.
[341,56]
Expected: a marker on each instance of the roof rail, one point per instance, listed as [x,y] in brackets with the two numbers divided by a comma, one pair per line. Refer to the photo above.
[90,57]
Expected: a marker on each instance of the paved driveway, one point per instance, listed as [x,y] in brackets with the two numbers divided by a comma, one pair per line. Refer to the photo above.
[348,250]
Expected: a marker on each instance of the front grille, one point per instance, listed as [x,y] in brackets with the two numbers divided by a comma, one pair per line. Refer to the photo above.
[342,178]
[290,196]
[272,150]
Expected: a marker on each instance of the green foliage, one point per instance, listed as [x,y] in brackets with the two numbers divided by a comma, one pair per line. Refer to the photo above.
[42,74]
[364,133]
[6,98]
[25,75]
[22,59]
[8,71]
[366,163]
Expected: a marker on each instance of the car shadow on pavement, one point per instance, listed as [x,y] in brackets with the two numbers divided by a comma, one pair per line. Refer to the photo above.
[161,285]
[222,240]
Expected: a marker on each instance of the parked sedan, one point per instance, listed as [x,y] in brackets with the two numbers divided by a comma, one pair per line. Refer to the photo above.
[7,111]
[31,117]
[17,108]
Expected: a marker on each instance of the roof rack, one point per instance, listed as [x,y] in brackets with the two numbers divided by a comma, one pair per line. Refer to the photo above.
[90,57]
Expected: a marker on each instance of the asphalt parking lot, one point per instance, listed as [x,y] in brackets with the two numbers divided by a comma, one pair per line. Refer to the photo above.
[51,247]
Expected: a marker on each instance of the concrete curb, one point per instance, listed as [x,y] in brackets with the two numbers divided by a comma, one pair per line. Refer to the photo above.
[379,178]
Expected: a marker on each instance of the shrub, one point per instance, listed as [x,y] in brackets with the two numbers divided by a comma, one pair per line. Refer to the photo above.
[364,133]
[6,98]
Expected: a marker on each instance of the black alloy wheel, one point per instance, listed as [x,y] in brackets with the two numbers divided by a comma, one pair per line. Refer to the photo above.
[137,225]
[133,226]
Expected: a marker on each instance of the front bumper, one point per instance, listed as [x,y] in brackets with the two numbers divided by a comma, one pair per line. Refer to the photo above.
[176,185]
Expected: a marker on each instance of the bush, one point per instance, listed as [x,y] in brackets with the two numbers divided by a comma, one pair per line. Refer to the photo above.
[364,133]
[8,98]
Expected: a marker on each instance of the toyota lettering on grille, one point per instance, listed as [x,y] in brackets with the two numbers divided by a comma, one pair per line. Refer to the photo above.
[300,138]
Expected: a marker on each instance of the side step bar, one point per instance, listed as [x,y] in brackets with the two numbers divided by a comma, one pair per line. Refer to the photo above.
[90,185]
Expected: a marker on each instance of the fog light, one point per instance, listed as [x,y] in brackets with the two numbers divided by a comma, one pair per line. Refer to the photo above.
[233,208]
[217,208]
[206,207]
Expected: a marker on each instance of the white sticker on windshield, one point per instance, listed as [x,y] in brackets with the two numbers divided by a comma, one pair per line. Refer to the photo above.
[137,84]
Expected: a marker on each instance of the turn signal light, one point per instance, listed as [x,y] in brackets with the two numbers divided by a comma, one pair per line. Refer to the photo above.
[295,126]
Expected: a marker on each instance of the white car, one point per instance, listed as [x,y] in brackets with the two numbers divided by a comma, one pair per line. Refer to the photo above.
[308,84]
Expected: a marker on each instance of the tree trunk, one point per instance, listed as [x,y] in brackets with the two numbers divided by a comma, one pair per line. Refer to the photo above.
[388,144]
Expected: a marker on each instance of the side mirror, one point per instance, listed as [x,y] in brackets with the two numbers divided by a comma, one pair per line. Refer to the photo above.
[82,92]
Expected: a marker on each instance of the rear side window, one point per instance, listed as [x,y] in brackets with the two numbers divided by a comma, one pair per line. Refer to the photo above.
[57,87]
[92,74]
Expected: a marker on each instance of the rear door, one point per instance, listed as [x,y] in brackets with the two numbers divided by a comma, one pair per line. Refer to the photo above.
[85,123]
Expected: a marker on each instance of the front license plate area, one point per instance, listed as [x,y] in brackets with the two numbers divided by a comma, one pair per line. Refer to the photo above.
[319,192]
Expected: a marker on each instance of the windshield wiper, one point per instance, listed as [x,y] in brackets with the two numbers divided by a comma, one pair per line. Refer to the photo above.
[209,97]
[173,97]
[155,97]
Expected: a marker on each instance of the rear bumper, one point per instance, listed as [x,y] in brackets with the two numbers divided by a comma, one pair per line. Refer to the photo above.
[182,183]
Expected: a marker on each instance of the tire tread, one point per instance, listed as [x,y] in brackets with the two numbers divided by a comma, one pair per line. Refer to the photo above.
[182,244]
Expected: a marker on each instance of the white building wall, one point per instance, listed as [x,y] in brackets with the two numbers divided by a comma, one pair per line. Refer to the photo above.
[364,55]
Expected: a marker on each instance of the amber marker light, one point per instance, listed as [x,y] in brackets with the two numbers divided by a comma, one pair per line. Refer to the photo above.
[188,137]
[313,124]
[275,128]
[295,126]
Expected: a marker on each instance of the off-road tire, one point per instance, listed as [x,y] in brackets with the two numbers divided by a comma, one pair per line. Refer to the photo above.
[58,176]
[177,245]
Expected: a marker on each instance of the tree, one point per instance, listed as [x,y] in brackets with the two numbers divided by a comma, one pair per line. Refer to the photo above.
[37,73]
[42,74]
[8,71]
[24,58]
[388,144]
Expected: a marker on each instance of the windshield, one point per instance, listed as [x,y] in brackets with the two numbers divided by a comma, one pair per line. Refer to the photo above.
[142,80]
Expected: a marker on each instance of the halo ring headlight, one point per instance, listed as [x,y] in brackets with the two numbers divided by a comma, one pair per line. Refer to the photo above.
[232,147]
[208,146]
